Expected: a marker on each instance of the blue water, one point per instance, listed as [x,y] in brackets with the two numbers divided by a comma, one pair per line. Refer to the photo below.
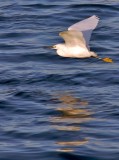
[55,108]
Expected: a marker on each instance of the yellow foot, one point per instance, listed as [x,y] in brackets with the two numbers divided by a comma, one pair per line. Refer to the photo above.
[107,59]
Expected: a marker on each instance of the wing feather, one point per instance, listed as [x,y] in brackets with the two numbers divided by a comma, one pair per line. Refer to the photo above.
[73,38]
[86,26]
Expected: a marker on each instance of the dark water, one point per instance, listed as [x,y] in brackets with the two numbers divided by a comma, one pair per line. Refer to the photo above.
[55,108]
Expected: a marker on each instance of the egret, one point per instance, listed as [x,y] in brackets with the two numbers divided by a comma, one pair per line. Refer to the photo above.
[77,39]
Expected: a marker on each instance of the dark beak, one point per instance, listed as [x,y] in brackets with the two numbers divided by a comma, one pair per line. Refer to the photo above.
[49,47]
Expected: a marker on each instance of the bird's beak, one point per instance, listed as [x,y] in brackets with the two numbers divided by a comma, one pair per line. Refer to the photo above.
[49,47]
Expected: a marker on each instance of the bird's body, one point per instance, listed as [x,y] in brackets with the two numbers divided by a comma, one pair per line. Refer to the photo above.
[74,52]
[77,40]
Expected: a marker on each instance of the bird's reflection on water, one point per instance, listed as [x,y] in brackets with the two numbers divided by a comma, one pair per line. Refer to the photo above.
[72,112]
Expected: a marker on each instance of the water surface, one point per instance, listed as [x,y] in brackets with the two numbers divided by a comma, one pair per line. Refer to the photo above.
[55,108]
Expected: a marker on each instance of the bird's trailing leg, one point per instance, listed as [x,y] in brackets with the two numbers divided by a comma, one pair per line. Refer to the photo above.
[106,59]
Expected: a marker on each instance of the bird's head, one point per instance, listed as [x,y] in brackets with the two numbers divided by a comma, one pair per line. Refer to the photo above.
[57,46]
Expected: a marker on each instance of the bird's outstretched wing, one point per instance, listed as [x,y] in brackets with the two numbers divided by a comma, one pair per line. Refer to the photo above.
[73,38]
[86,26]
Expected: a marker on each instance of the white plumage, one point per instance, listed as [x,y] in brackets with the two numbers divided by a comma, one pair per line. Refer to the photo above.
[77,38]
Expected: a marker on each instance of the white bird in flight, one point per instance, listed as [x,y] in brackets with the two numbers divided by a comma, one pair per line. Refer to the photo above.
[77,40]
